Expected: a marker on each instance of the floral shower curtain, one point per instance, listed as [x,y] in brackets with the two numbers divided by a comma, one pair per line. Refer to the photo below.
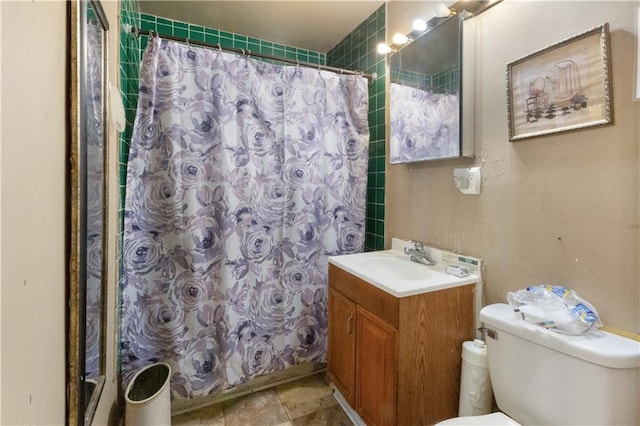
[242,178]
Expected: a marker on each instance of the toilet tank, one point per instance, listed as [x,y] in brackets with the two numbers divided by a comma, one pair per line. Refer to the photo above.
[541,377]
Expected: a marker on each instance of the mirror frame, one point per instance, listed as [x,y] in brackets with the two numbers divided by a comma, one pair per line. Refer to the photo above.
[81,399]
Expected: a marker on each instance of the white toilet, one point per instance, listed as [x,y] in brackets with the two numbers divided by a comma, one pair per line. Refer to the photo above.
[540,377]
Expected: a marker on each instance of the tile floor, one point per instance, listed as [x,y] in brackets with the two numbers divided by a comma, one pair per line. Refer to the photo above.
[305,402]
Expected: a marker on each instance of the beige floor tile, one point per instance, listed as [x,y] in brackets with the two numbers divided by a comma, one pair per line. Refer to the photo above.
[308,401]
[333,416]
[306,396]
[258,409]
[210,416]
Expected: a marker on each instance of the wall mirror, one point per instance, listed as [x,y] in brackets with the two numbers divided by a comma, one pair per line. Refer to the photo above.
[431,92]
[425,95]
[88,129]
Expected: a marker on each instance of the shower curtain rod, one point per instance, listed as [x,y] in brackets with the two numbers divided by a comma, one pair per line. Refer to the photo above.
[138,32]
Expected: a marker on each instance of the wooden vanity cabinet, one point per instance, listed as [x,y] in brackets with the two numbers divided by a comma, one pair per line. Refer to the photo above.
[397,360]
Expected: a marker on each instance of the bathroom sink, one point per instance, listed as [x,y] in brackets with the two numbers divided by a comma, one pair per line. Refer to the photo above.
[393,271]
[395,268]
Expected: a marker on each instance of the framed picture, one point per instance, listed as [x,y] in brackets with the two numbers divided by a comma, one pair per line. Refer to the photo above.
[563,87]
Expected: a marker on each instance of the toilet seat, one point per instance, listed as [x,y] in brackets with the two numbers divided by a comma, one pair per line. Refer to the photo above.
[485,420]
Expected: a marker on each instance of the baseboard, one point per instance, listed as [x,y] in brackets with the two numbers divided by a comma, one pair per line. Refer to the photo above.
[353,416]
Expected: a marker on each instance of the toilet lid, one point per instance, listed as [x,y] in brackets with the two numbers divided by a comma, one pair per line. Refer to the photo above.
[485,420]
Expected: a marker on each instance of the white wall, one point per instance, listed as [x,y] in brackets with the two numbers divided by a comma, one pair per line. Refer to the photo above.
[33,201]
[559,209]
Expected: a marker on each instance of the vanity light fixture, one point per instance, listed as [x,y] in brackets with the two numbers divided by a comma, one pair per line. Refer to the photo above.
[465,8]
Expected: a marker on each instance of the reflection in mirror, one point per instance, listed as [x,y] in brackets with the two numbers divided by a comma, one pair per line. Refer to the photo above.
[425,94]
[88,206]
[94,109]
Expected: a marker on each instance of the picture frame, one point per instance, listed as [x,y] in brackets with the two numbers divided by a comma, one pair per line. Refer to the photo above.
[638,54]
[562,87]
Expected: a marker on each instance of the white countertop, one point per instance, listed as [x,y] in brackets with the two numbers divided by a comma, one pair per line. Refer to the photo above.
[393,272]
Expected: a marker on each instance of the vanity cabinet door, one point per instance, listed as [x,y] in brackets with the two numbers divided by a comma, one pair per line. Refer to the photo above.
[342,351]
[375,369]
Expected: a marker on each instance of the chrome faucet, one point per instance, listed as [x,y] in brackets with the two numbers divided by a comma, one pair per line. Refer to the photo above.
[417,254]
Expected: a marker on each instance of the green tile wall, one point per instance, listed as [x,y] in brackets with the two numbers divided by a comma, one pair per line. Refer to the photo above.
[357,51]
[413,79]
[226,39]
[129,65]
[446,81]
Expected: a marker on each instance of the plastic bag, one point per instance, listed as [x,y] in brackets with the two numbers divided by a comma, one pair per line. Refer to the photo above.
[555,308]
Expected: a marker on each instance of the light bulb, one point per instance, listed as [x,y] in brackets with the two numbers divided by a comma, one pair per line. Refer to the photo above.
[441,11]
[383,49]
[419,25]
[400,39]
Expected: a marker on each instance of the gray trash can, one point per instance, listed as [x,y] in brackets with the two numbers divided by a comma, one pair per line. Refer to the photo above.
[148,397]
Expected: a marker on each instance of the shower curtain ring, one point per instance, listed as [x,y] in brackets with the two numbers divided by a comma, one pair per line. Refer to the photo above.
[219,48]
